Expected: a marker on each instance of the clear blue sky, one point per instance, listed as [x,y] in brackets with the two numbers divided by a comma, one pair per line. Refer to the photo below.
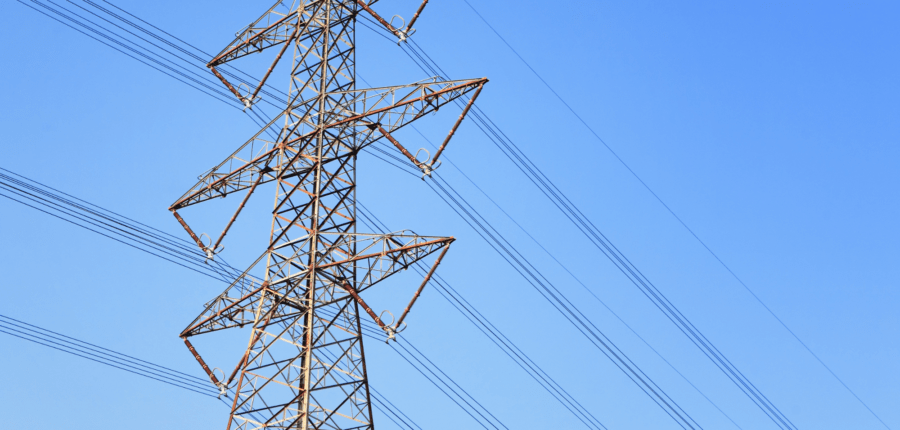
[771,129]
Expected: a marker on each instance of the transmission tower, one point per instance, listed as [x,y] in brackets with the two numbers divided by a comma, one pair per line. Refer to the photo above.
[305,366]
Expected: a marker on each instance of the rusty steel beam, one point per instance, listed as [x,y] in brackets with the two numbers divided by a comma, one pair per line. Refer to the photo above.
[421,287]
[188,229]
[218,60]
[246,354]
[435,94]
[402,149]
[386,253]
[236,303]
[381,20]
[228,85]
[287,45]
[237,212]
[219,181]
[415,17]
[458,122]
[209,372]
[365,306]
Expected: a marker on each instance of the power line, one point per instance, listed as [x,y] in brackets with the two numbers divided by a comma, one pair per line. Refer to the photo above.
[565,307]
[580,282]
[782,323]
[130,55]
[493,334]
[70,345]
[136,238]
[55,342]
[620,367]
[601,242]
[225,273]
[677,218]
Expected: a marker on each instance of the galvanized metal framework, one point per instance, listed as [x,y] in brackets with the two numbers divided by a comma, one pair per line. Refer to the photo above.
[304,366]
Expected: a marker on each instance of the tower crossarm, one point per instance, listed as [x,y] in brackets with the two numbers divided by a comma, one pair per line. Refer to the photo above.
[395,107]
[277,26]
[377,257]
[230,308]
[273,28]
[239,170]
[302,25]
[391,107]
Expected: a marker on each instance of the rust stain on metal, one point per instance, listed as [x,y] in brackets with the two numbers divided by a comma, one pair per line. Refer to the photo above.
[458,122]
[209,372]
[364,305]
[228,84]
[188,229]
[421,287]
[416,16]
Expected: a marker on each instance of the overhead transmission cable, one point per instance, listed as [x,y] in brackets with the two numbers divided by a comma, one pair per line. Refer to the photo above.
[225,274]
[493,333]
[223,100]
[448,160]
[31,333]
[115,48]
[394,157]
[418,56]
[127,233]
[70,345]
[677,218]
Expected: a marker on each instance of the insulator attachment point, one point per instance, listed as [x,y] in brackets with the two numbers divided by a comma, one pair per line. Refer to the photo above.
[426,166]
[210,253]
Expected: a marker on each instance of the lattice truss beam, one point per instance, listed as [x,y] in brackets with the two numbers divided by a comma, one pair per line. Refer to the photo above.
[304,366]
[388,107]
[378,257]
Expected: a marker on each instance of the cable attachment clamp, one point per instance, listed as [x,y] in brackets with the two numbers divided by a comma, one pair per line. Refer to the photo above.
[210,253]
[223,390]
[402,34]
[391,331]
[427,166]
[247,100]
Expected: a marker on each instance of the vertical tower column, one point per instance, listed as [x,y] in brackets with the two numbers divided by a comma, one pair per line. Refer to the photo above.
[306,366]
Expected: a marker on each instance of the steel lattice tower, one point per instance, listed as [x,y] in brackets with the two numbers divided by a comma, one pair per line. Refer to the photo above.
[304,366]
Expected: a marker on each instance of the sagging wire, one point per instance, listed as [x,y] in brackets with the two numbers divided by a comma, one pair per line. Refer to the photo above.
[566,206]
[225,275]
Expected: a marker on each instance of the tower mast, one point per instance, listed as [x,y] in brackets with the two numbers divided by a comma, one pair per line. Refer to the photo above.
[304,366]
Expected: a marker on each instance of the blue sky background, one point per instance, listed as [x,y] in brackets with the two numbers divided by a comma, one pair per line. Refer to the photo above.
[770,128]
